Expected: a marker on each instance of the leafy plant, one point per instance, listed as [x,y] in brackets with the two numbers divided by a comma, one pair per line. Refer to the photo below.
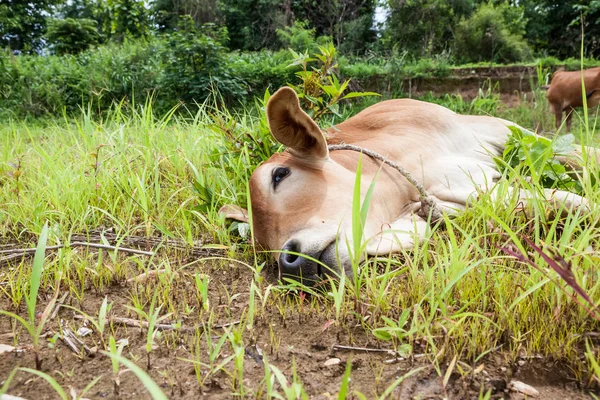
[493,32]
[536,157]
[152,318]
[115,362]
[396,331]
[72,36]
[320,90]
[34,330]
[202,288]
[148,383]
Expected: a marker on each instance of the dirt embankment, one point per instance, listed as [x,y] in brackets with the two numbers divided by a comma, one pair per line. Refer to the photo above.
[463,81]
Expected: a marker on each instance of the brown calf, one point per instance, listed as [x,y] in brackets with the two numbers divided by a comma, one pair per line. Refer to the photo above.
[302,197]
[564,93]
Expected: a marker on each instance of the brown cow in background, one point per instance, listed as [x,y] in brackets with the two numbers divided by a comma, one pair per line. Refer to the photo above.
[564,92]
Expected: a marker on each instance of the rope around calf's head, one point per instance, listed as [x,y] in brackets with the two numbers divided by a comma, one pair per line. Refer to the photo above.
[429,207]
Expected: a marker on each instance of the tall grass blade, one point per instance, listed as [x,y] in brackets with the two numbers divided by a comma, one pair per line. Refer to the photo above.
[57,388]
[149,384]
[36,272]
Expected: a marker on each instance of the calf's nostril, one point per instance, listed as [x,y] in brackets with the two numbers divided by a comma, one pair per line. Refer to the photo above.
[290,258]
[290,254]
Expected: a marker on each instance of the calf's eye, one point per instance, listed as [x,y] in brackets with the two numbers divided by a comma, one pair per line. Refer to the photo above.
[278,175]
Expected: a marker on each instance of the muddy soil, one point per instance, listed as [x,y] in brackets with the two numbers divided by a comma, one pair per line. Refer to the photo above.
[300,339]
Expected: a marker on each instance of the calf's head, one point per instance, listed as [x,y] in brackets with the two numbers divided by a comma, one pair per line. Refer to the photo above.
[301,199]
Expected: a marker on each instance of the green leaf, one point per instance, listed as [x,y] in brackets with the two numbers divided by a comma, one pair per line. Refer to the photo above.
[345,381]
[404,350]
[563,144]
[7,382]
[352,95]
[36,272]
[382,334]
[150,385]
[57,388]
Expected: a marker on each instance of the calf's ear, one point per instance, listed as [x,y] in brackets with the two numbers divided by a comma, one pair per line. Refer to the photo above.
[293,128]
[231,211]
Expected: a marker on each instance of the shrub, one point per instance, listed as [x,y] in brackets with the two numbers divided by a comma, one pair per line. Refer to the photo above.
[492,33]
[297,37]
[258,71]
[72,36]
[32,85]
[195,63]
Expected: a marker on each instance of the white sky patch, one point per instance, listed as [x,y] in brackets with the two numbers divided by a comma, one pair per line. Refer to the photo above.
[382,11]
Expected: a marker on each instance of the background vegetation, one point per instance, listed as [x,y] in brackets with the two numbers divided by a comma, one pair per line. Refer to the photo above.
[62,55]
[126,124]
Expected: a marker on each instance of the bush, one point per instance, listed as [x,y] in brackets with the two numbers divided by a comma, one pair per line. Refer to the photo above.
[492,33]
[297,37]
[72,36]
[195,64]
[30,85]
[115,72]
[262,70]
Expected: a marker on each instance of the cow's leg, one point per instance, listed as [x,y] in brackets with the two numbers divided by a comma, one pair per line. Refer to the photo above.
[570,111]
[558,200]
[399,235]
[557,109]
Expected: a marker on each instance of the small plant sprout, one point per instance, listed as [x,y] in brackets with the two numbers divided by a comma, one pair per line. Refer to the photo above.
[15,174]
[116,350]
[99,323]
[202,281]
[237,344]
[320,89]
[294,390]
[397,332]
[34,330]
[152,388]
[152,318]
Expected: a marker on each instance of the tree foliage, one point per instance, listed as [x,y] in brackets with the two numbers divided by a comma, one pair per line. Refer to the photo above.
[492,33]
[348,22]
[252,24]
[195,63]
[124,18]
[413,30]
[166,13]
[554,26]
[424,27]
[72,36]
[23,22]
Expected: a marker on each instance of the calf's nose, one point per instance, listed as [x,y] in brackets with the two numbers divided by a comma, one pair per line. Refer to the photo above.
[295,266]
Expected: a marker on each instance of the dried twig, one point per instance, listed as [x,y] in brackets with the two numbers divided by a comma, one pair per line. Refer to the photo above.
[30,249]
[66,338]
[73,342]
[58,304]
[134,323]
[428,205]
[91,238]
[75,244]
[340,347]
[197,250]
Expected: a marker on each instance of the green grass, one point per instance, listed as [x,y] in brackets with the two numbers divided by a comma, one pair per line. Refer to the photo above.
[455,295]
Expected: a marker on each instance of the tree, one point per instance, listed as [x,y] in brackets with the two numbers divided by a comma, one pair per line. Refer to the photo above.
[72,36]
[23,22]
[252,24]
[424,27]
[348,22]
[554,26]
[492,33]
[124,18]
[166,13]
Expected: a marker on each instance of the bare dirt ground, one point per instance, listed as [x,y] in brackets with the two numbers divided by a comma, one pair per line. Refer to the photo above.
[302,339]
